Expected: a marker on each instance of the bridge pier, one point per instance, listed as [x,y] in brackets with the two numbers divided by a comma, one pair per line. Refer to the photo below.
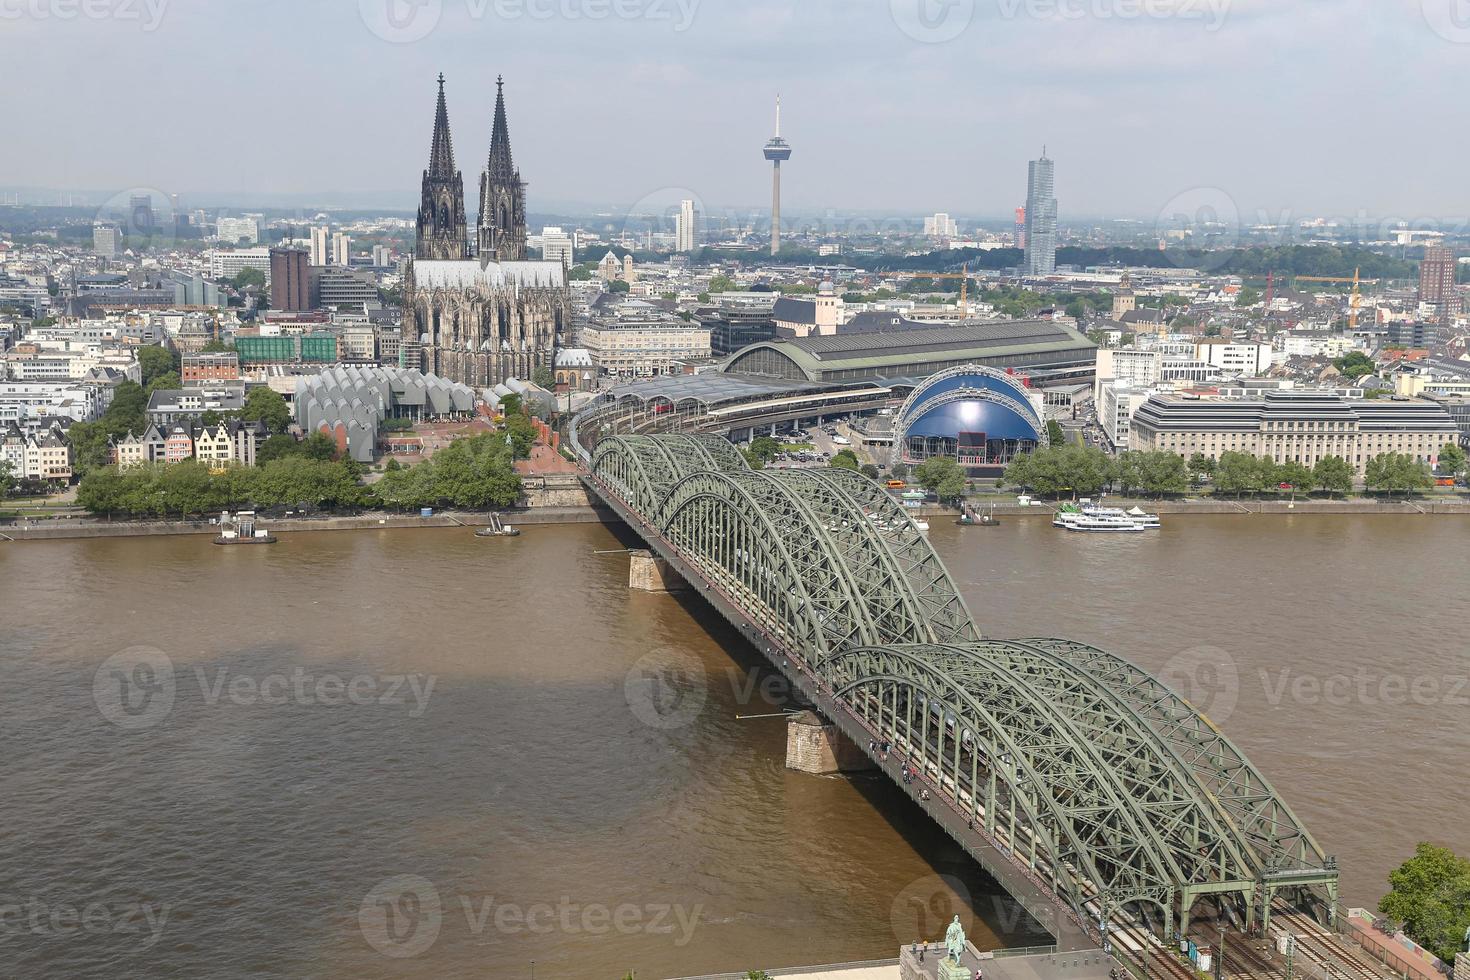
[649,573]
[816,746]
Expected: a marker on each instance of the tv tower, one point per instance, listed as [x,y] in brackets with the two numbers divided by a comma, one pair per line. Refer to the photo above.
[776,150]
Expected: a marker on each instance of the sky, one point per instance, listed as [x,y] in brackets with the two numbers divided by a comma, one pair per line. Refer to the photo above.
[1269,108]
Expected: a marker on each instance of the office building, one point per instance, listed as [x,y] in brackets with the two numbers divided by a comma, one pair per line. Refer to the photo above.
[290,280]
[1437,280]
[1041,218]
[556,246]
[106,240]
[684,228]
[941,225]
[1293,425]
[236,230]
[209,370]
[341,249]
[226,263]
[342,288]
[320,252]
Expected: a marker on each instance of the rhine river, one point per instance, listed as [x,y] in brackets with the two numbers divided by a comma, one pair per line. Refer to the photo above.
[311,758]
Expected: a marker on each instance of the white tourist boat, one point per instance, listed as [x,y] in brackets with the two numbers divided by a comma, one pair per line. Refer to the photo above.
[1090,519]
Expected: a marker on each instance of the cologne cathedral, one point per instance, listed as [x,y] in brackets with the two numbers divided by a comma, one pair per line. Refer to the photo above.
[481,310]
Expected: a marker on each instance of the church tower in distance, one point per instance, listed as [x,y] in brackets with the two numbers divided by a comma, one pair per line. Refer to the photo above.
[502,225]
[441,226]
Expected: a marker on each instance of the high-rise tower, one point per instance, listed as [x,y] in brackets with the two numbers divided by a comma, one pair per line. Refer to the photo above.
[502,224]
[441,225]
[776,150]
[1041,218]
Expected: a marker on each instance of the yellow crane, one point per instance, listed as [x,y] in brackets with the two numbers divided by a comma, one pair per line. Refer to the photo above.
[963,277]
[1357,294]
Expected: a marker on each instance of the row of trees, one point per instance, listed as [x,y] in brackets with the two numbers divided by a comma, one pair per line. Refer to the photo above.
[470,473]
[1087,471]
[191,488]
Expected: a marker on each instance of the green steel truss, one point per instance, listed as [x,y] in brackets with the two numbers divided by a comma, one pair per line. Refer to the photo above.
[1097,779]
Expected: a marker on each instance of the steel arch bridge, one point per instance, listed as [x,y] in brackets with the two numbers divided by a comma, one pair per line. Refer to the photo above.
[1113,794]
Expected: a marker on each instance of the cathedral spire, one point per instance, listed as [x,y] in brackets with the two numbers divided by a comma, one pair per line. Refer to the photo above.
[441,225]
[500,162]
[501,235]
[441,154]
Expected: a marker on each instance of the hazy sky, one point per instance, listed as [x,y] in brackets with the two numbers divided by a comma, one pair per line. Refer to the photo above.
[1269,106]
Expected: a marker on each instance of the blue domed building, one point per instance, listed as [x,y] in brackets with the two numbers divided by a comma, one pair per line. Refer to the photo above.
[978,416]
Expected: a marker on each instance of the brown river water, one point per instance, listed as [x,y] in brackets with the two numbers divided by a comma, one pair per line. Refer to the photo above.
[422,754]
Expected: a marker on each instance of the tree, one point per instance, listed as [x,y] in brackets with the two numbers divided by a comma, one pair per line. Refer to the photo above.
[263,404]
[1054,432]
[900,471]
[168,381]
[523,434]
[1355,364]
[1333,474]
[248,277]
[1162,472]
[1239,473]
[941,476]
[1249,296]
[319,446]
[1295,475]
[1395,472]
[752,460]
[1430,895]
[617,286]
[765,448]
[846,459]
[276,447]
[1452,459]
[869,470]
[7,478]
[720,284]
[155,361]
[1200,467]
[543,377]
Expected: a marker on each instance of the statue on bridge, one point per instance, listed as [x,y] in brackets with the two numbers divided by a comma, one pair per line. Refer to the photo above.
[1467,942]
[954,940]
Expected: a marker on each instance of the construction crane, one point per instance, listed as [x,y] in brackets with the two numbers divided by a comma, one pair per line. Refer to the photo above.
[1357,294]
[963,277]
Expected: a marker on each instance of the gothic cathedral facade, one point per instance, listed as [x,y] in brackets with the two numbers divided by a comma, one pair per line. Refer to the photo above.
[482,311]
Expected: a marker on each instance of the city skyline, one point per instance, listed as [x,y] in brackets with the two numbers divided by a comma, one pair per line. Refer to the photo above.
[861,108]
